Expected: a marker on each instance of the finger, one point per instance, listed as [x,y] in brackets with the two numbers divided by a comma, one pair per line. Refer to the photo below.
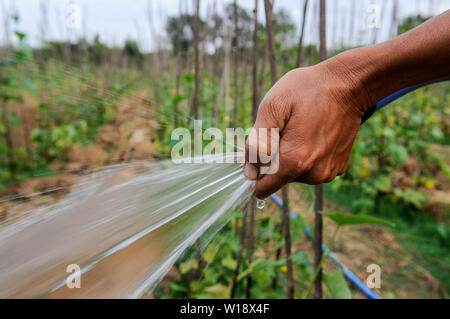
[263,140]
[251,172]
[288,168]
[261,145]
[269,184]
[319,174]
[271,113]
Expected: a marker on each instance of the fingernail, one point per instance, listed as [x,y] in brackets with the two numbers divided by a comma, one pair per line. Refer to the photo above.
[251,172]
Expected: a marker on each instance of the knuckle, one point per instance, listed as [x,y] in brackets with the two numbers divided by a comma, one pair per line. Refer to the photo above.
[331,176]
[267,105]
[273,106]
[324,177]
[342,171]
[272,109]
[285,172]
[289,166]
[312,178]
[308,164]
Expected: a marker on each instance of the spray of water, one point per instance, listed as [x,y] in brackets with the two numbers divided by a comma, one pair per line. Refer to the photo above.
[125,226]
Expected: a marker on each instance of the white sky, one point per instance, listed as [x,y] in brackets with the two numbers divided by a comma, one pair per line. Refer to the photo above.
[116,20]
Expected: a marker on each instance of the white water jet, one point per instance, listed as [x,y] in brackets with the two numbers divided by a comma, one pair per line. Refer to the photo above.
[125,227]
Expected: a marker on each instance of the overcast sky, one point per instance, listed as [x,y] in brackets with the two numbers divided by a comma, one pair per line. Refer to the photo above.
[116,20]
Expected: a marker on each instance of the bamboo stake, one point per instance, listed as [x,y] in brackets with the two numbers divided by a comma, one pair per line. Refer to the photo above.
[240,252]
[255,100]
[195,103]
[236,62]
[255,96]
[318,205]
[251,240]
[268,5]
[197,59]
[287,242]
[302,32]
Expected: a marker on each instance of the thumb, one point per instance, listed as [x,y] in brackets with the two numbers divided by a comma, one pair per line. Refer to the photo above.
[272,181]
[264,138]
[285,167]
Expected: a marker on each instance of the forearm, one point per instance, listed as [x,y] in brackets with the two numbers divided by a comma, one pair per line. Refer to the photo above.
[420,55]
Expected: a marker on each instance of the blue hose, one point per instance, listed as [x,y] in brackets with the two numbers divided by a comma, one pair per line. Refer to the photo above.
[340,265]
[369,293]
[394,96]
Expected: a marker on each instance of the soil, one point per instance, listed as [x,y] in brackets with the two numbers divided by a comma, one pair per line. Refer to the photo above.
[438,193]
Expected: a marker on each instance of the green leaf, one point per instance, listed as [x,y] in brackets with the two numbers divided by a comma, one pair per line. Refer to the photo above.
[300,257]
[178,288]
[355,219]
[177,99]
[218,291]
[188,265]
[20,35]
[444,168]
[398,152]
[388,132]
[263,276]
[210,253]
[337,285]
[437,134]
[383,183]
[250,268]
[229,263]
[416,198]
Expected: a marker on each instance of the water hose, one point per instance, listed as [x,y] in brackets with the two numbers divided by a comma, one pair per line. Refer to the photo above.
[394,96]
[351,277]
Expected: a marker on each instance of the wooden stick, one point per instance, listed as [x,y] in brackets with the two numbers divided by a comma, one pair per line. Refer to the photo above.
[318,205]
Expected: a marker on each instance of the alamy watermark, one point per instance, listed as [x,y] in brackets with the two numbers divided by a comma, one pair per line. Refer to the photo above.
[263,146]
[74,279]
[374,279]
[373,20]
[73,16]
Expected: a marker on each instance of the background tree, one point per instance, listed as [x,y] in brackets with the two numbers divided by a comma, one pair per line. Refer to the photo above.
[302,32]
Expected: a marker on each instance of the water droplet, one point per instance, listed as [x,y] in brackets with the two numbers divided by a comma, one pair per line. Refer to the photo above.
[260,203]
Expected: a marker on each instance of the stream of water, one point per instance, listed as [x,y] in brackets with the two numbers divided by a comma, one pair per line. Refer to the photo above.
[124,226]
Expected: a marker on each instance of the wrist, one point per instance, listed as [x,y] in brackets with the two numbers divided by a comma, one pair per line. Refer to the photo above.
[371,74]
[351,74]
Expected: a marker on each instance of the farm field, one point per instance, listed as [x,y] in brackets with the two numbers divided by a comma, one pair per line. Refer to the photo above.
[71,107]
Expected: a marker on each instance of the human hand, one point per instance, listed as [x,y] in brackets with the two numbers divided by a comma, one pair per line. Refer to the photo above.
[318,112]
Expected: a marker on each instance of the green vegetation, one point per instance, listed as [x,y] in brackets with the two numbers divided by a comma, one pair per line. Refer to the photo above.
[58,97]
[48,106]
